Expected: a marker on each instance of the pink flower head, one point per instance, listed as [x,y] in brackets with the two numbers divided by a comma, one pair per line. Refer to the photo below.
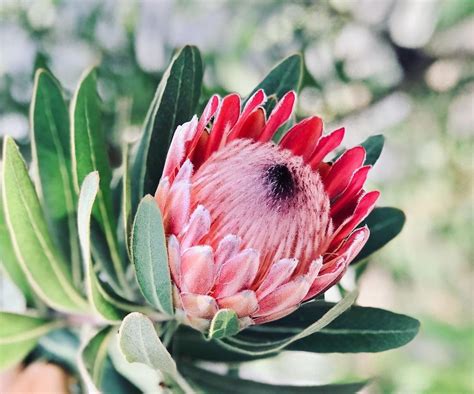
[254,226]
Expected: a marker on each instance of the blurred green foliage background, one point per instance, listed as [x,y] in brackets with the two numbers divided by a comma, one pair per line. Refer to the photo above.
[404,68]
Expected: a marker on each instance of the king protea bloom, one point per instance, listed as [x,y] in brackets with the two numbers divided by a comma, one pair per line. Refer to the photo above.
[255,226]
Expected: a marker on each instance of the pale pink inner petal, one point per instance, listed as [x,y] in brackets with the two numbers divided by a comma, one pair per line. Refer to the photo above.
[276,315]
[161,195]
[198,226]
[185,172]
[237,273]
[228,247]
[284,297]
[174,259]
[177,207]
[244,303]
[323,281]
[197,270]
[198,305]
[176,151]
[279,273]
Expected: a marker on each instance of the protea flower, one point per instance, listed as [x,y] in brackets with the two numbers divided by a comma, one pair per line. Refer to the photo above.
[255,226]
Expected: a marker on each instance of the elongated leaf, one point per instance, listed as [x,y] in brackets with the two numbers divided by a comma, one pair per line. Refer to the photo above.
[174,104]
[93,355]
[125,227]
[140,343]
[373,148]
[51,151]
[285,76]
[9,261]
[359,329]
[47,272]
[101,304]
[90,154]
[19,334]
[224,324]
[114,382]
[385,223]
[150,256]
[213,383]
[252,348]
[96,366]
[191,344]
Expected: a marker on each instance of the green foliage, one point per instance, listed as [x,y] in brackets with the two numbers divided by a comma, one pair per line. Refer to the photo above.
[174,104]
[97,367]
[19,334]
[98,298]
[9,261]
[224,324]
[90,154]
[51,154]
[140,343]
[45,268]
[373,148]
[213,383]
[359,329]
[150,256]
[285,76]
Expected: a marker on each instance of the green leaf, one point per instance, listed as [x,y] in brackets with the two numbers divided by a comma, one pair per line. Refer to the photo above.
[89,154]
[100,302]
[140,343]
[373,148]
[359,329]
[385,223]
[47,272]
[9,261]
[243,345]
[213,383]
[224,324]
[93,355]
[189,343]
[114,382]
[19,334]
[125,227]
[97,368]
[285,76]
[51,152]
[150,257]
[174,104]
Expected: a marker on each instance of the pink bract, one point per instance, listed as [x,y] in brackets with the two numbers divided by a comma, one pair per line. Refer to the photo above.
[254,226]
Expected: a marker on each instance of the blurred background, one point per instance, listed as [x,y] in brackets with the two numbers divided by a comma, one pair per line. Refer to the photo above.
[404,68]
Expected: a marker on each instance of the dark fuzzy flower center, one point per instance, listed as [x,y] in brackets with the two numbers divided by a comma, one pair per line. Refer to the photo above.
[280,181]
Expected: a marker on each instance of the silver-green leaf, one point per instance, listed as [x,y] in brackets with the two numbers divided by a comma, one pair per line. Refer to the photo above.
[51,154]
[140,343]
[96,294]
[19,334]
[174,104]
[89,153]
[224,324]
[150,257]
[45,268]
